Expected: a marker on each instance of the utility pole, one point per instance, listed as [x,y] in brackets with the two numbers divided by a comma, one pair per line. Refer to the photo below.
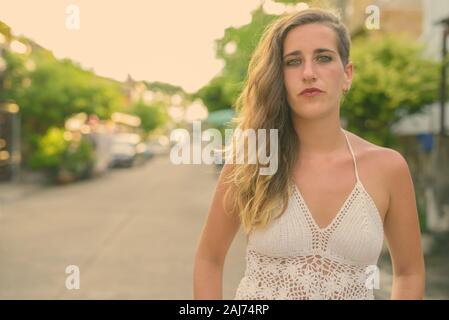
[443,82]
[437,180]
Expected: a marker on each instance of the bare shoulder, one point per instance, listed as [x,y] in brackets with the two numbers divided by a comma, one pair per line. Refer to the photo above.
[387,159]
[382,170]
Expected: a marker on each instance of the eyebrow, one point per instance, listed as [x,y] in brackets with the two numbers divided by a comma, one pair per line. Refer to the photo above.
[298,52]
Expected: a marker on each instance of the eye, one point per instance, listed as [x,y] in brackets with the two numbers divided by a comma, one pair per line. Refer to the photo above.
[324,59]
[293,62]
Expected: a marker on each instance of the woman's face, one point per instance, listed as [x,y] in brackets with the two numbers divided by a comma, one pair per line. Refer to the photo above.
[311,60]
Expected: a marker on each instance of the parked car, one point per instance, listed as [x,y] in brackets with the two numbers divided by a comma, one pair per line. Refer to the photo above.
[127,150]
[148,153]
[158,146]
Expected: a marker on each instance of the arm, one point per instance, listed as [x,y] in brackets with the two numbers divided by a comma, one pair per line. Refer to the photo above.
[402,232]
[218,233]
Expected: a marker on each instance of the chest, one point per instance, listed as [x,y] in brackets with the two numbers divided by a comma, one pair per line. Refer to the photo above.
[326,188]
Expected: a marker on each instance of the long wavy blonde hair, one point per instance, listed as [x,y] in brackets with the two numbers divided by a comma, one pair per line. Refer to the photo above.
[257,198]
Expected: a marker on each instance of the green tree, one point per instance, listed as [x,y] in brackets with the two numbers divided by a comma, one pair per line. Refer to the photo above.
[60,89]
[13,78]
[221,91]
[151,115]
[57,155]
[391,80]
[51,91]
[165,87]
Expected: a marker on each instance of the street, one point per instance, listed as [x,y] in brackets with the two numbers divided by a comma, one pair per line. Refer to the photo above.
[132,233]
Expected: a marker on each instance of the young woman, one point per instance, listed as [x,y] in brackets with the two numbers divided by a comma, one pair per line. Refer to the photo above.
[315,228]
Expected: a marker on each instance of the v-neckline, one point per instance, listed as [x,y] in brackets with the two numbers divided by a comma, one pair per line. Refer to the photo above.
[337,215]
[341,210]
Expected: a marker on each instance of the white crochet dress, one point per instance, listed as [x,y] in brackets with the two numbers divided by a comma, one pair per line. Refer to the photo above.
[293,258]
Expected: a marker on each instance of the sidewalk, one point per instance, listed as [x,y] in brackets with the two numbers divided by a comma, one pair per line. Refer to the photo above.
[27,184]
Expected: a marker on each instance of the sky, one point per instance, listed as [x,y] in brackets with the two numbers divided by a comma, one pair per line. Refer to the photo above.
[156,40]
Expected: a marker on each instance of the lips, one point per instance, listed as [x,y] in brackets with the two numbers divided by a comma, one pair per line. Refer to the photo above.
[311,91]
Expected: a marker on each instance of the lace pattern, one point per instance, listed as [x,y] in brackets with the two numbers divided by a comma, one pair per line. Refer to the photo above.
[311,277]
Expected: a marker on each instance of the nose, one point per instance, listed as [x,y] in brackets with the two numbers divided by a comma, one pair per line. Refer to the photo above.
[308,72]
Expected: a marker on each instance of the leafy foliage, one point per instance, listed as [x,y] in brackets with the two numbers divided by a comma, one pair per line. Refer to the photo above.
[55,154]
[49,91]
[151,115]
[221,92]
[391,79]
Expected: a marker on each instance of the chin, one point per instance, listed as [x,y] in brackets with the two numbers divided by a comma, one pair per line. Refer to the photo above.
[310,110]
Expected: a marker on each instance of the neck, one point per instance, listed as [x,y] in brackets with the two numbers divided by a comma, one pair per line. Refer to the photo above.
[319,138]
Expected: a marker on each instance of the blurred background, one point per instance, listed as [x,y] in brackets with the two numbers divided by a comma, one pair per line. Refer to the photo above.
[90,92]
